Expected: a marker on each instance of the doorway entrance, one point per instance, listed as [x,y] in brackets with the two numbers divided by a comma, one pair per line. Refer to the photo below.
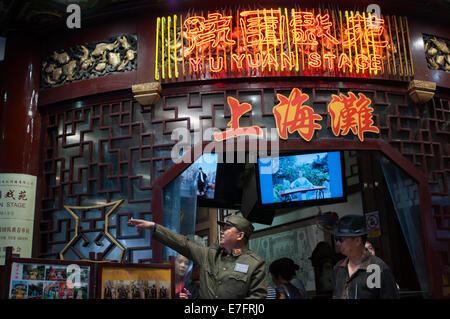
[380,183]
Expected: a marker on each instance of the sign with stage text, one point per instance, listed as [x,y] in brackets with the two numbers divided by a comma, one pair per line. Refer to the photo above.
[17,203]
[282,42]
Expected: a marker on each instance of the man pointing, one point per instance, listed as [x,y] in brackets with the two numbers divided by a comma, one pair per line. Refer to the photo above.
[228,271]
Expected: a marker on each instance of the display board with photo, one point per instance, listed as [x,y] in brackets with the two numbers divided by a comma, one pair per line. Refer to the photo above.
[152,281]
[49,281]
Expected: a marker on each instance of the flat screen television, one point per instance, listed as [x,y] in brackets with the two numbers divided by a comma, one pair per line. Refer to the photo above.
[301,179]
[216,184]
[229,185]
[201,175]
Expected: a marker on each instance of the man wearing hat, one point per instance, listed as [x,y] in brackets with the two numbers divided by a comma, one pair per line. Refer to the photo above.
[228,271]
[360,275]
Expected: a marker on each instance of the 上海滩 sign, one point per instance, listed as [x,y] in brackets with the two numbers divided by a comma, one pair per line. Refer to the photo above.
[347,112]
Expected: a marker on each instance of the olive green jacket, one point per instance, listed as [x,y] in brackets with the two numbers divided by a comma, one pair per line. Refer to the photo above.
[222,276]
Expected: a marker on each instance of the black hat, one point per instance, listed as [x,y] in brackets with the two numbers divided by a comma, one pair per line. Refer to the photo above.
[351,226]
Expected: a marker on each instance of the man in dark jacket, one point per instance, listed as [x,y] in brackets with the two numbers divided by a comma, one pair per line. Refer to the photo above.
[201,182]
[360,275]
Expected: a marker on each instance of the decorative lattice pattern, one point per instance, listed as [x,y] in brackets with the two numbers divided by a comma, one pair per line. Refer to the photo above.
[116,150]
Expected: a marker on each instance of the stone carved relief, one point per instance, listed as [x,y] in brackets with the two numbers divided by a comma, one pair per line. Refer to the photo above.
[437,52]
[86,61]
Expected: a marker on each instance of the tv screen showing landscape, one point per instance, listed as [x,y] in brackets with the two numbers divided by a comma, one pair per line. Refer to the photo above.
[301,178]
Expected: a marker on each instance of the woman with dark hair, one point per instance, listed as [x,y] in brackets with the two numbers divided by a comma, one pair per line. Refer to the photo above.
[283,276]
[184,288]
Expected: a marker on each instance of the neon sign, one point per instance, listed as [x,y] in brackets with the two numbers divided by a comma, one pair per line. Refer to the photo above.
[268,42]
[347,113]
[291,115]
[351,113]
[237,110]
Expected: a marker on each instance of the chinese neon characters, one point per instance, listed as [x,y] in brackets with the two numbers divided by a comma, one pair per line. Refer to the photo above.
[306,28]
[351,113]
[272,39]
[237,110]
[291,114]
[213,31]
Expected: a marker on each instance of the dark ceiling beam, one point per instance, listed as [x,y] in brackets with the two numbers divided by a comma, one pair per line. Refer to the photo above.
[16,15]
[8,16]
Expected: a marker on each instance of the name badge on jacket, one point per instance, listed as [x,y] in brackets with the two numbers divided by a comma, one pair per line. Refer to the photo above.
[243,268]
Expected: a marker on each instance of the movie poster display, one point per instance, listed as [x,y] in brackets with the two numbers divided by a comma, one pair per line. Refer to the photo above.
[38,280]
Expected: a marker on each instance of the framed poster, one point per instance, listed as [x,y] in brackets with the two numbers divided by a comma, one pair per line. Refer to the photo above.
[30,278]
[135,281]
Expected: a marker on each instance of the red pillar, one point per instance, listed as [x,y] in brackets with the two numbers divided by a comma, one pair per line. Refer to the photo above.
[20,121]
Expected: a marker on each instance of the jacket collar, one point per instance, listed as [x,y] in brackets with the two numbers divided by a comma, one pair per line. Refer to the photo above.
[239,251]
[365,261]
[235,251]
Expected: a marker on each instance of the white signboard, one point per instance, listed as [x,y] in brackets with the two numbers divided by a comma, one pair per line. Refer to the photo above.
[17,203]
